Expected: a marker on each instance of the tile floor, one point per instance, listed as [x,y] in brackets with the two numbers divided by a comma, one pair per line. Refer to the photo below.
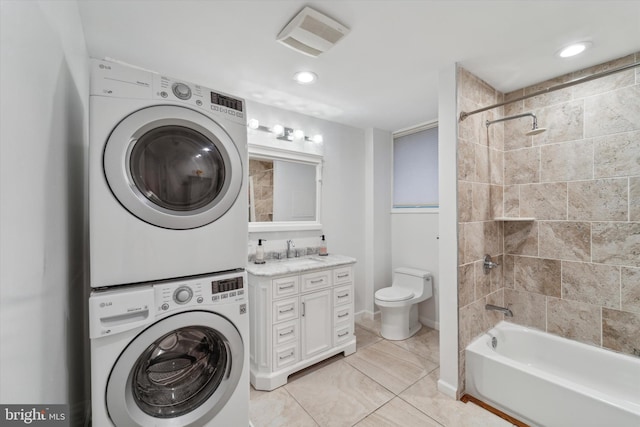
[384,383]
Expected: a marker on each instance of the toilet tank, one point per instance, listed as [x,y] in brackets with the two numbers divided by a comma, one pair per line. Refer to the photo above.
[419,281]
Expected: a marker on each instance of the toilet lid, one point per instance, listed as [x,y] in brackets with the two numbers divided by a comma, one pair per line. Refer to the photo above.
[393,294]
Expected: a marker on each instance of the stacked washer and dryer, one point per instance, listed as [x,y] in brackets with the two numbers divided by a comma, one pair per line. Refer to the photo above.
[168,239]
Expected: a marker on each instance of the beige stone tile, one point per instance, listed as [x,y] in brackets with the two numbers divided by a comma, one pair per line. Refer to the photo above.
[598,200]
[565,240]
[277,408]
[425,343]
[617,155]
[491,318]
[538,275]
[613,112]
[528,309]
[630,292]
[483,281]
[474,240]
[365,338]
[544,201]
[522,166]
[465,201]
[515,134]
[481,210]
[471,322]
[466,160]
[496,167]
[621,330]
[472,129]
[397,413]
[496,200]
[521,238]
[425,396]
[371,325]
[390,366]
[493,238]
[574,320]
[474,88]
[466,284]
[512,201]
[567,161]
[483,166]
[334,396]
[634,198]
[616,243]
[564,122]
[461,372]
[595,284]
[496,274]
[604,84]
[550,98]
[509,271]
[462,243]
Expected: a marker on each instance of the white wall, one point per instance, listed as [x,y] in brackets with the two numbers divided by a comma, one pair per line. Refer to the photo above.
[414,243]
[448,230]
[43,111]
[343,206]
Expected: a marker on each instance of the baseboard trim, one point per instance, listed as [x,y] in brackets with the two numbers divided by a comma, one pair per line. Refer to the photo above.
[467,398]
[447,389]
[430,323]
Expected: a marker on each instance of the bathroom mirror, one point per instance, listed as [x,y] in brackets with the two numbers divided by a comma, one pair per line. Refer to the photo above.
[284,189]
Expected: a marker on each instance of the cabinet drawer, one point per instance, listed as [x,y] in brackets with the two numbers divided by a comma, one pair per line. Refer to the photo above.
[342,334]
[285,287]
[342,314]
[284,333]
[284,356]
[342,275]
[317,280]
[342,295]
[286,309]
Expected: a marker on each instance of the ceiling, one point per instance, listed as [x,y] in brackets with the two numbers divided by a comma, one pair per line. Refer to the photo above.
[384,73]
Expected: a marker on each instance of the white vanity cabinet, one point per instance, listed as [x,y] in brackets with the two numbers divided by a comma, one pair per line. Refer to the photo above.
[298,318]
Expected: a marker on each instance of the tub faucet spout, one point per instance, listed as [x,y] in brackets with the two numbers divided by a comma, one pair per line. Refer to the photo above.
[507,312]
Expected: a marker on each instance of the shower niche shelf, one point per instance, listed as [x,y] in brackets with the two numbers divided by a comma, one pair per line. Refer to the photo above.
[514,219]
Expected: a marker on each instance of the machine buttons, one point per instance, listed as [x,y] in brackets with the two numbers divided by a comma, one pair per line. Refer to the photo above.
[164,94]
[199,300]
[199,103]
[181,90]
[165,306]
[182,295]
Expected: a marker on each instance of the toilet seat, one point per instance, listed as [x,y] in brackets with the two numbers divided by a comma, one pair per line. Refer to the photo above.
[393,294]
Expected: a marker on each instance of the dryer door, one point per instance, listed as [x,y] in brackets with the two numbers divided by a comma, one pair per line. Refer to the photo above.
[179,371]
[173,167]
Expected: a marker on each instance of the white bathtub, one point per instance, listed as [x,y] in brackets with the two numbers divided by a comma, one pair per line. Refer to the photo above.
[545,380]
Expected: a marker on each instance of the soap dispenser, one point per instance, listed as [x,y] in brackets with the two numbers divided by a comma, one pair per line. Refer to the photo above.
[260,252]
[323,247]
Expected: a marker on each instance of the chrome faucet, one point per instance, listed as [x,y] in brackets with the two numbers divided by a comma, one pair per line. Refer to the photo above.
[290,245]
[488,264]
[507,312]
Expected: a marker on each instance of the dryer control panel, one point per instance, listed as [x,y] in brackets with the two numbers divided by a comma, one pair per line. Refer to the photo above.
[200,291]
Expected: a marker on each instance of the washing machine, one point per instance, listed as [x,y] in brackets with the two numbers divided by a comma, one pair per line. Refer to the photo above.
[167,166]
[171,353]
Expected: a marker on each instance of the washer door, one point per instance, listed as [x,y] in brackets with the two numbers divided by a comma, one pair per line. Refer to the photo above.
[173,167]
[179,371]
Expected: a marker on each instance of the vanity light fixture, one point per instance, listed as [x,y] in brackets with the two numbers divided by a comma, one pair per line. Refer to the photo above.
[284,133]
[573,49]
[305,77]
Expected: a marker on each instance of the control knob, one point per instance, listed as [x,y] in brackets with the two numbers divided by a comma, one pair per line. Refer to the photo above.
[181,90]
[182,295]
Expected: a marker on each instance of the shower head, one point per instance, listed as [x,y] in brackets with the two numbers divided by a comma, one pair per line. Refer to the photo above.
[534,128]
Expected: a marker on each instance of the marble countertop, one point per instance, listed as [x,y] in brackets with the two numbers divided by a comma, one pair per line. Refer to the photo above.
[298,265]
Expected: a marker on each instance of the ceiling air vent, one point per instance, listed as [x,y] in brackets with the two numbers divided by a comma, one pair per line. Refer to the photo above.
[312,33]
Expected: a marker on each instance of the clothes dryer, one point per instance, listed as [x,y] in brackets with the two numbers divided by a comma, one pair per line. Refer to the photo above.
[167,166]
[171,353]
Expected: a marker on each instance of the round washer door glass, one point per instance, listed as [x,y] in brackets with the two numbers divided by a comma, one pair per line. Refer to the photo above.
[182,369]
[173,167]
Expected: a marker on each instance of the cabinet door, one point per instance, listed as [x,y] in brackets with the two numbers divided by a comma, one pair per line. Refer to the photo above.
[316,316]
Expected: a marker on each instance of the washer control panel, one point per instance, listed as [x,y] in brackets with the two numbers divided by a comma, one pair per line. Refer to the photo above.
[200,291]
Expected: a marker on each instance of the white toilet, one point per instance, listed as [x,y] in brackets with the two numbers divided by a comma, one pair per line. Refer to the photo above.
[399,302]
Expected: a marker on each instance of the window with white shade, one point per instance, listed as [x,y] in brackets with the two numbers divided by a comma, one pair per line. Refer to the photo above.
[415,170]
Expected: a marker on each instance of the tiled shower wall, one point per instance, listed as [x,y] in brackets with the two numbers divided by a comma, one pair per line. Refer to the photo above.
[574,270]
[480,187]
[261,176]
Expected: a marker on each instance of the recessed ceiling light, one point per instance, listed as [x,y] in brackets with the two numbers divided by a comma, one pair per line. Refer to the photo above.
[573,49]
[305,77]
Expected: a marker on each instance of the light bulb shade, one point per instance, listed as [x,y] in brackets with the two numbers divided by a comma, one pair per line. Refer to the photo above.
[317,138]
[305,77]
[298,134]
[254,124]
[278,130]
